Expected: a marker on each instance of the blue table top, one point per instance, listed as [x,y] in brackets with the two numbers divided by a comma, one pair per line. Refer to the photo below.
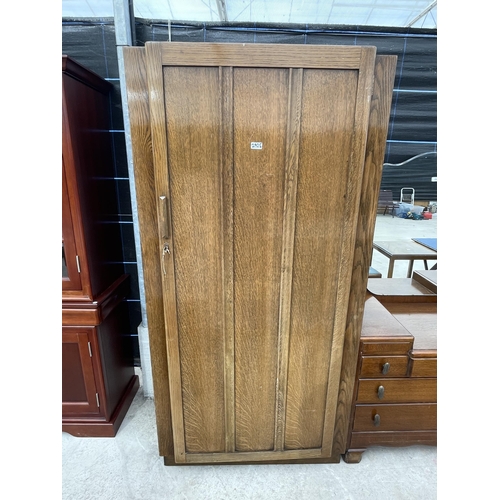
[431,243]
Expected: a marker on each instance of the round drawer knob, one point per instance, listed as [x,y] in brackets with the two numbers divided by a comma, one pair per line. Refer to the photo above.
[380,391]
[376,420]
[385,368]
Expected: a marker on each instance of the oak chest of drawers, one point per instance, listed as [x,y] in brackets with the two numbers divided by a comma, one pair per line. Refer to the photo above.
[395,398]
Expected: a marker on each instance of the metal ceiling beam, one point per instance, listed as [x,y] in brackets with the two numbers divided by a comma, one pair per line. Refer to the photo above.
[422,14]
[221,7]
[122,20]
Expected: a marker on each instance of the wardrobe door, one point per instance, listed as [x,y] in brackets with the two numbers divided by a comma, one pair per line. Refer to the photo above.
[258,159]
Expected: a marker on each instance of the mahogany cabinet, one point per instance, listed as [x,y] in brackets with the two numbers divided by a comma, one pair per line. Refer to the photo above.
[257,174]
[98,378]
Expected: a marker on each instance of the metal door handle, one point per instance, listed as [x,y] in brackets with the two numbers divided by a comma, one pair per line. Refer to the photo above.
[164,218]
[376,420]
[385,368]
[380,391]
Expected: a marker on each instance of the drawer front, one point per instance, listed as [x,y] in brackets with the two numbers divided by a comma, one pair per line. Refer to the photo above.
[361,440]
[424,367]
[408,390]
[396,417]
[373,366]
[385,348]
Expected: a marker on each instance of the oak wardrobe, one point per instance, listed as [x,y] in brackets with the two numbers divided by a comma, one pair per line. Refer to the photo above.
[257,171]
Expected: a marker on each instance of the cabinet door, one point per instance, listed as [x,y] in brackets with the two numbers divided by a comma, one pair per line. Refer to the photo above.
[258,157]
[70,269]
[79,392]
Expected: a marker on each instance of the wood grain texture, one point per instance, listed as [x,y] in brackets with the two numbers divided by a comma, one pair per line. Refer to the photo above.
[351,211]
[393,438]
[353,457]
[371,366]
[289,214]
[256,285]
[259,456]
[383,336]
[377,321]
[402,404]
[260,115]
[396,417]
[328,103]
[411,390]
[193,124]
[380,106]
[262,55]
[423,367]
[226,142]
[374,346]
[420,320]
[142,156]
[162,185]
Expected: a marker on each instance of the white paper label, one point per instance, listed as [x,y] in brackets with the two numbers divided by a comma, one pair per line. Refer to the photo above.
[256,145]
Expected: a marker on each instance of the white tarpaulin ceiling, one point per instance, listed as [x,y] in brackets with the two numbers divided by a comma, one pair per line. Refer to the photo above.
[394,13]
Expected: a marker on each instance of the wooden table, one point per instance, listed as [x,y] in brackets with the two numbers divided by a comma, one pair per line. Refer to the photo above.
[404,250]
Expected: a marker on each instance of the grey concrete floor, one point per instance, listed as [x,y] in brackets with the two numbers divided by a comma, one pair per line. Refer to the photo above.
[128,467]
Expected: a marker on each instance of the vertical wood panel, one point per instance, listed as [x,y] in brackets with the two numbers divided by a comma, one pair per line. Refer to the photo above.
[385,68]
[260,113]
[328,107]
[227,189]
[193,121]
[351,210]
[168,291]
[289,214]
[140,131]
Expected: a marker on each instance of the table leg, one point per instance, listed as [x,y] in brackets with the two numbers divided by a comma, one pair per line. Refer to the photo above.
[410,268]
[391,268]
[426,266]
